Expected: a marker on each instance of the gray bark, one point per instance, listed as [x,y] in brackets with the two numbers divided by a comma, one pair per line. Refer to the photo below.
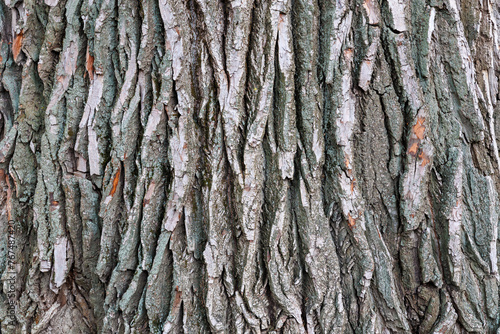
[254,166]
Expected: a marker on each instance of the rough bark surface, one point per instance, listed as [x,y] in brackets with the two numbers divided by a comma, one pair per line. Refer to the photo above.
[249,166]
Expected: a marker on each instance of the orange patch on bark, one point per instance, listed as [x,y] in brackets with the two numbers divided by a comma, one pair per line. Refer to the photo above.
[369,6]
[419,128]
[115,182]
[281,20]
[413,149]
[53,202]
[348,53]
[425,158]
[90,65]
[352,221]
[352,185]
[16,47]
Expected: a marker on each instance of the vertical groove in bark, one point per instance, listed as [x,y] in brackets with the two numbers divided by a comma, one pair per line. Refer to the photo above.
[278,166]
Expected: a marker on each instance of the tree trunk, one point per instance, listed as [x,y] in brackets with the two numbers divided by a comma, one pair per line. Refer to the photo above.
[254,166]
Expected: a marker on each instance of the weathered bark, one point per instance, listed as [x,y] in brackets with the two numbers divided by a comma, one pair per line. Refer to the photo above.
[255,166]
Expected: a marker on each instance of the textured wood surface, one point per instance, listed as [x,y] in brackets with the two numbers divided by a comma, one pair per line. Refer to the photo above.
[249,166]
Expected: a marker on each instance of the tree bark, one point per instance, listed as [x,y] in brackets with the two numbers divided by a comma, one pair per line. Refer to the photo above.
[250,166]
